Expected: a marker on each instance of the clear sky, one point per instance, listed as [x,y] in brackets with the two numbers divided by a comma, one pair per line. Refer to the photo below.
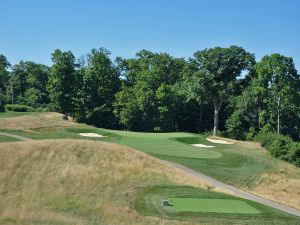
[33,29]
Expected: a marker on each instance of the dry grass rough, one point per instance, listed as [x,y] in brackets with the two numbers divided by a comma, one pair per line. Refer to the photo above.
[79,182]
[281,186]
[34,121]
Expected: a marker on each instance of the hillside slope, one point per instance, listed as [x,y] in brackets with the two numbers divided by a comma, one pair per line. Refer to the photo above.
[78,182]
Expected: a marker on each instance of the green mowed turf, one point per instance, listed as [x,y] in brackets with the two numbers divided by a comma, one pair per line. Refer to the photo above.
[168,147]
[152,143]
[219,162]
[7,139]
[200,205]
[212,205]
[246,164]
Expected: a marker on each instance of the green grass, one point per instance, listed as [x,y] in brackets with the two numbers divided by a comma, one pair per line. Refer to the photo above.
[219,162]
[6,139]
[212,205]
[166,146]
[9,114]
[237,164]
[230,209]
[152,143]
[245,162]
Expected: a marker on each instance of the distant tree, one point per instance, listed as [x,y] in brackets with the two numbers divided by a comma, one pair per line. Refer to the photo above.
[271,101]
[215,75]
[126,108]
[19,77]
[147,100]
[279,77]
[28,83]
[62,85]
[37,80]
[4,76]
[245,116]
[100,83]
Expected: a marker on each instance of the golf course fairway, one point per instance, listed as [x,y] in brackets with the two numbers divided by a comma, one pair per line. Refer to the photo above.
[103,162]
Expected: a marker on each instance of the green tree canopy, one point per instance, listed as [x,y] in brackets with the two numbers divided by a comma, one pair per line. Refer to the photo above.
[62,85]
[4,76]
[100,83]
[214,73]
[271,101]
[147,95]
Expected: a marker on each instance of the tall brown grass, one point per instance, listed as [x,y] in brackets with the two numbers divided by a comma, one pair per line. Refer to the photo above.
[78,182]
[34,121]
[282,185]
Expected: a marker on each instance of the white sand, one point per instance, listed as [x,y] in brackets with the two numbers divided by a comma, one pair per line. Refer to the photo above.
[202,146]
[219,141]
[91,135]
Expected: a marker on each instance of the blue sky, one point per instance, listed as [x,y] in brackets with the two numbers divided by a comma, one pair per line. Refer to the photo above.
[33,29]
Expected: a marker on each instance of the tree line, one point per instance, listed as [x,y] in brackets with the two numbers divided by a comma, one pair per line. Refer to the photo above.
[218,89]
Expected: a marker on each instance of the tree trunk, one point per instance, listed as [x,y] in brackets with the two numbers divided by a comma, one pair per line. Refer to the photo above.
[259,127]
[216,115]
[217,107]
[278,115]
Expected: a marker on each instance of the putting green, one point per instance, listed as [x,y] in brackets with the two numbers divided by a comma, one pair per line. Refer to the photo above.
[212,205]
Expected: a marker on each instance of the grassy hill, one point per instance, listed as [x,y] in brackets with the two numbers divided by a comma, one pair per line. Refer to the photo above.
[93,182]
[253,168]
[77,182]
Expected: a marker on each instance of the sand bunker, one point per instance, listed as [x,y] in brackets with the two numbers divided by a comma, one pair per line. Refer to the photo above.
[91,135]
[219,141]
[202,146]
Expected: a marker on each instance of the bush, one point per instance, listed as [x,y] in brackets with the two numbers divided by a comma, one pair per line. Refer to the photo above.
[19,108]
[294,154]
[251,134]
[280,146]
[266,139]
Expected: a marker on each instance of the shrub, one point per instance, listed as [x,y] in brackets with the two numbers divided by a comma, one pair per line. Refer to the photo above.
[265,139]
[251,134]
[280,146]
[294,154]
[19,108]
[234,127]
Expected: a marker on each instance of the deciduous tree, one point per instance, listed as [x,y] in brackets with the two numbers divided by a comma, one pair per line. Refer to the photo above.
[62,85]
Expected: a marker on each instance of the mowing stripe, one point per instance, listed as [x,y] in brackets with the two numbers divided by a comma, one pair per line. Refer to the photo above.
[169,147]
